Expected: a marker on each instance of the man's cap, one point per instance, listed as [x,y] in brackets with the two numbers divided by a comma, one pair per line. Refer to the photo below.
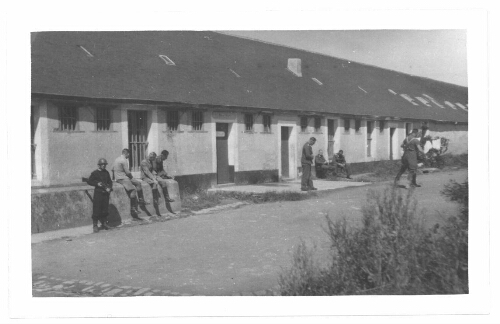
[102,161]
[415,130]
[313,139]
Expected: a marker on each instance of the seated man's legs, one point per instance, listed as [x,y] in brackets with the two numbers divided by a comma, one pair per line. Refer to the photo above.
[138,185]
[163,184]
[320,173]
[132,193]
[154,189]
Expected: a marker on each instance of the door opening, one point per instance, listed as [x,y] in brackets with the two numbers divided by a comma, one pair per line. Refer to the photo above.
[391,141]
[285,155]
[225,173]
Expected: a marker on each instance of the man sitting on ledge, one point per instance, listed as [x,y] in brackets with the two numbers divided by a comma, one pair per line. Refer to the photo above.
[340,163]
[322,165]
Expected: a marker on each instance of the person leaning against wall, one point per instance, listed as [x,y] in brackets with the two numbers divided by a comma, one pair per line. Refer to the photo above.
[101,181]
[132,186]
[306,161]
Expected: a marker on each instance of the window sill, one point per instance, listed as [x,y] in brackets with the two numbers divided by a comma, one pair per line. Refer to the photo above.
[109,131]
[347,132]
[198,131]
[270,133]
[249,132]
[57,130]
[175,132]
[304,132]
[317,132]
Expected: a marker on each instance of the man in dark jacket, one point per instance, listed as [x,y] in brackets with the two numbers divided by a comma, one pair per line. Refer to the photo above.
[411,146]
[162,176]
[306,161]
[101,180]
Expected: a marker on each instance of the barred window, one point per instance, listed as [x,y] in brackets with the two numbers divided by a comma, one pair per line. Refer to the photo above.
[381,125]
[303,124]
[173,120]
[248,122]
[317,124]
[267,123]
[68,117]
[347,124]
[103,118]
[357,124]
[197,120]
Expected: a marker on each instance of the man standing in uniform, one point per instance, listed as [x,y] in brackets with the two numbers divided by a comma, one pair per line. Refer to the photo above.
[132,186]
[101,180]
[411,146]
[306,161]
[161,174]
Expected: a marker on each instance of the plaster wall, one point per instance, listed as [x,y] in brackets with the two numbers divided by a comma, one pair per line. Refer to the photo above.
[73,154]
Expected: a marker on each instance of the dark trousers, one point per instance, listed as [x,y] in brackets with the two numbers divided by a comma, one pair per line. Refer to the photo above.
[408,162]
[344,166]
[306,177]
[100,206]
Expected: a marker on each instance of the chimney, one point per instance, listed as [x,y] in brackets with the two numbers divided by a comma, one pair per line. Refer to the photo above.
[294,65]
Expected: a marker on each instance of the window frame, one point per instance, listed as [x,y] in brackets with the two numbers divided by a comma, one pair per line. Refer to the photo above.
[98,114]
[249,123]
[347,125]
[357,125]
[317,124]
[176,123]
[381,126]
[63,123]
[304,125]
[199,121]
[264,122]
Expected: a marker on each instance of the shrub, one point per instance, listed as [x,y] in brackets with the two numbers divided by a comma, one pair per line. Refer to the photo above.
[391,253]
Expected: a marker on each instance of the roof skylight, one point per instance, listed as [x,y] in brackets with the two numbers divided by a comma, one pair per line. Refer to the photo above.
[237,75]
[317,81]
[434,101]
[425,102]
[450,104]
[85,50]
[410,99]
[392,91]
[461,106]
[166,60]
[362,88]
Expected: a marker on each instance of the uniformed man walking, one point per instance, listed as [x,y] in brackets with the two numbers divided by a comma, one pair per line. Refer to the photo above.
[101,180]
[411,146]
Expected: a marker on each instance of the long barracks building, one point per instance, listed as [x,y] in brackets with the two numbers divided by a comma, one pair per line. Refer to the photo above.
[229,109]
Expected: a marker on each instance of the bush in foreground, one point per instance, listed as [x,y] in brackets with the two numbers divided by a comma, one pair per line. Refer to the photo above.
[391,253]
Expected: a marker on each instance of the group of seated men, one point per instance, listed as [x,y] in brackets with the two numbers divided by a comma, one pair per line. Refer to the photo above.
[337,164]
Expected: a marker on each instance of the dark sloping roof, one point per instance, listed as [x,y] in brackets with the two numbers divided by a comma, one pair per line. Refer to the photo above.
[126,65]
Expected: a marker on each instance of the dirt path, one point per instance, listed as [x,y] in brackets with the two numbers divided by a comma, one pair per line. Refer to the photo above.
[239,251]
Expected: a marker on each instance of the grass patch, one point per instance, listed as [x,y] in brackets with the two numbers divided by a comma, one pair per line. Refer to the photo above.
[203,199]
[392,253]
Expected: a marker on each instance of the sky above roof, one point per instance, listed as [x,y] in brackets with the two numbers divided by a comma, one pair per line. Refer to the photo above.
[435,54]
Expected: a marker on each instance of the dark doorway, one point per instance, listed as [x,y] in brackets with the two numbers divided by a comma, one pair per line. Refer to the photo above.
[391,141]
[137,137]
[285,156]
[369,131]
[331,141]
[224,174]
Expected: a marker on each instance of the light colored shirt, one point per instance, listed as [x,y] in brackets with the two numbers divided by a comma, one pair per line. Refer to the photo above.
[121,169]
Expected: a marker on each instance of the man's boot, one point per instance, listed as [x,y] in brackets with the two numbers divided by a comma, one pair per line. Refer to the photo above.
[167,197]
[134,210]
[156,197]
[141,198]
[95,228]
[414,181]
[104,224]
